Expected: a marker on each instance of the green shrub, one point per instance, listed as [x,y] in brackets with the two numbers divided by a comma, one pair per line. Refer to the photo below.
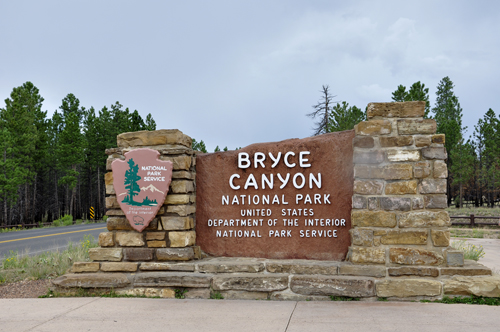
[105,218]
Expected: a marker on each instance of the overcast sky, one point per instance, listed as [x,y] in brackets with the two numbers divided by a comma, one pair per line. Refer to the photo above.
[233,73]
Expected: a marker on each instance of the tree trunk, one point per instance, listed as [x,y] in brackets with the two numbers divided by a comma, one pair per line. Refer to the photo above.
[98,212]
[461,194]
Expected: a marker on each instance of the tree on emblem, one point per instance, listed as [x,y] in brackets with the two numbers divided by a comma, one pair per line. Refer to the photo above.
[131,178]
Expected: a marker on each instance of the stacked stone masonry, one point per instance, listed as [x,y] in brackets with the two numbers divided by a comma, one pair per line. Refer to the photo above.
[171,235]
[400,173]
[399,236]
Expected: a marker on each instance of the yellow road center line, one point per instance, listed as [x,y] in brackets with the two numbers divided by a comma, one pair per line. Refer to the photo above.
[36,237]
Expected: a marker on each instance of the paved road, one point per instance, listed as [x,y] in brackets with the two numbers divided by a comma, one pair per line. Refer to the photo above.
[125,314]
[35,241]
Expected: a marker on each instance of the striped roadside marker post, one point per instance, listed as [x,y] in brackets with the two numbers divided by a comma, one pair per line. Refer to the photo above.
[91,212]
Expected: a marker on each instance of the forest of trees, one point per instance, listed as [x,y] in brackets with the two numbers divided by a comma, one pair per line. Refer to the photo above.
[54,166]
[473,164]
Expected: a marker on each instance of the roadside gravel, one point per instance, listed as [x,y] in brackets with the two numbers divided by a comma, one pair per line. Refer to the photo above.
[24,289]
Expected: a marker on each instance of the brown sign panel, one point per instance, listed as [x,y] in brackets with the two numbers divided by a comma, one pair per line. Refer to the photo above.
[141,182]
[289,199]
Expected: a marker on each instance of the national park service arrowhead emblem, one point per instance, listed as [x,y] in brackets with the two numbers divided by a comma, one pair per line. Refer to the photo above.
[141,183]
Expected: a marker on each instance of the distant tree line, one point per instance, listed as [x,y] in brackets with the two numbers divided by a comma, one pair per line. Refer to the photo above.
[473,165]
[55,166]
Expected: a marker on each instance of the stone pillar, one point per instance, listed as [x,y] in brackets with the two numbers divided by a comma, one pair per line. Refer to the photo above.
[398,207]
[171,235]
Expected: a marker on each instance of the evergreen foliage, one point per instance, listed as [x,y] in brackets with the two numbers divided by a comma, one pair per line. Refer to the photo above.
[417,92]
[54,166]
[344,117]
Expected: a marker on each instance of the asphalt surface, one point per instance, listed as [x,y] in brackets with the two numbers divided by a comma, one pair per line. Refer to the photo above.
[136,314]
[38,240]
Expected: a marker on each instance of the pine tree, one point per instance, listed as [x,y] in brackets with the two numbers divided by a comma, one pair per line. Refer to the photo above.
[199,146]
[400,94]
[131,178]
[463,166]
[150,123]
[417,92]
[343,117]
[322,110]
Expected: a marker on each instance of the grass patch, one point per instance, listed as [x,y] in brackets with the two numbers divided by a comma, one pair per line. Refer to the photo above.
[81,292]
[470,250]
[216,296]
[467,300]
[343,298]
[180,293]
[46,265]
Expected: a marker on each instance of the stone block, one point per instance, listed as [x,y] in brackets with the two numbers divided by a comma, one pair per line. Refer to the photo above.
[362,237]
[138,254]
[157,137]
[333,285]
[106,239]
[92,280]
[167,293]
[416,126]
[408,288]
[244,295]
[438,139]
[367,255]
[440,238]
[157,244]
[362,270]
[106,254]
[403,155]
[182,186]
[393,172]
[440,169]
[420,271]
[401,188]
[108,178]
[114,212]
[172,279]
[395,203]
[424,219]
[470,268]
[129,239]
[408,109]
[118,267]
[411,256]
[368,157]
[364,142]
[394,141]
[432,186]
[181,210]
[301,266]
[174,254]
[368,187]
[155,266]
[373,127]
[250,282]
[231,265]
[183,175]
[110,189]
[173,199]
[422,141]
[454,258]
[79,267]
[171,223]
[198,293]
[122,224]
[404,237]
[155,236]
[359,202]
[417,203]
[478,286]
[180,163]
[434,153]
[288,295]
[182,239]
[112,203]
[436,201]
[373,203]
[422,169]
[373,219]
[192,198]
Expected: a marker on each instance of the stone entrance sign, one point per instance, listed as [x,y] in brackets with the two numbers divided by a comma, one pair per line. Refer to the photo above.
[141,183]
[289,199]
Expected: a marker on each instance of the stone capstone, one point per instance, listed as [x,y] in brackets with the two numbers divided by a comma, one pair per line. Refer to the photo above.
[92,280]
[411,109]
[148,138]
[250,282]
[336,286]
[408,288]
[172,279]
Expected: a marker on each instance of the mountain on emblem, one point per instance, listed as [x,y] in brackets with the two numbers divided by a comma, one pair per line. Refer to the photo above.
[142,181]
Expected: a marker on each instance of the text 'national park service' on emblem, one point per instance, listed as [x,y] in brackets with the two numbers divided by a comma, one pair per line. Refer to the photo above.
[141,182]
